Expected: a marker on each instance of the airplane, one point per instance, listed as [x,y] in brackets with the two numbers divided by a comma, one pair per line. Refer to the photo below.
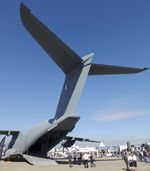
[41,138]
[62,149]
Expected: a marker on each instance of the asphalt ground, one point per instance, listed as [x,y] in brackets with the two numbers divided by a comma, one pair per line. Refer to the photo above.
[102,165]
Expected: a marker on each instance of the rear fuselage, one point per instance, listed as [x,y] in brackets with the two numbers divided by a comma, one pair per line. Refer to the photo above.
[42,137]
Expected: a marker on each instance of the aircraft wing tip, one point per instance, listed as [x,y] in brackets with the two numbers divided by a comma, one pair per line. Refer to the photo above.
[145,68]
[142,69]
[24,9]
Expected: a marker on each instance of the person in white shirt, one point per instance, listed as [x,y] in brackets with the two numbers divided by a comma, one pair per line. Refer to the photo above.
[132,161]
[85,159]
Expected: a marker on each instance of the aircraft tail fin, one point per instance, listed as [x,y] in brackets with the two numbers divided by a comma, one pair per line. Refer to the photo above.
[62,55]
[76,69]
[72,88]
[99,69]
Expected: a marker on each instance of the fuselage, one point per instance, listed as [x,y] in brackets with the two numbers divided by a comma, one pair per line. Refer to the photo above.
[42,137]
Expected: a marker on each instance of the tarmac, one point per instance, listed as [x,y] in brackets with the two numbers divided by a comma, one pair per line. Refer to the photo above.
[102,165]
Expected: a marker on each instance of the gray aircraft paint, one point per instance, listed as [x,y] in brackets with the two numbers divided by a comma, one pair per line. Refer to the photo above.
[76,70]
[73,87]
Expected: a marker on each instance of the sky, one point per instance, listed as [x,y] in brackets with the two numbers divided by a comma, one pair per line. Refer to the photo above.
[114,108]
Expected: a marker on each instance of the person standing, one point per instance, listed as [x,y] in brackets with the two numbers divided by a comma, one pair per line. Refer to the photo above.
[134,162]
[130,161]
[85,159]
[69,159]
[79,157]
[125,158]
[92,160]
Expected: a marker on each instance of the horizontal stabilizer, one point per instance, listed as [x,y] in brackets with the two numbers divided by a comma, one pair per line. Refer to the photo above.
[7,132]
[80,139]
[99,69]
[63,56]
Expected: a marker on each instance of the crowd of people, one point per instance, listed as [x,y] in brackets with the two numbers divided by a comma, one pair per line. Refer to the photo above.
[133,154]
[130,160]
[144,155]
[81,158]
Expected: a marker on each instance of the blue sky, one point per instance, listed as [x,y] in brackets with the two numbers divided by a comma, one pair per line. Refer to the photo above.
[113,108]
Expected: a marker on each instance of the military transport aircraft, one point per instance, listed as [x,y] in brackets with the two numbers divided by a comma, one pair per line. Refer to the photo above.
[38,140]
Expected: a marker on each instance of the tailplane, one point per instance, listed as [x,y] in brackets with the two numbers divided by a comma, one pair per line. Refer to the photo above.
[99,69]
[62,55]
[76,69]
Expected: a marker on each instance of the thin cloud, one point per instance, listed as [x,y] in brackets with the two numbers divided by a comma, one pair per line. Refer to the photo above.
[121,115]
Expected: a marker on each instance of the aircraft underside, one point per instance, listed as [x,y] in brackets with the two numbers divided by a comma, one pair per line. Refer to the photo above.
[52,137]
[46,143]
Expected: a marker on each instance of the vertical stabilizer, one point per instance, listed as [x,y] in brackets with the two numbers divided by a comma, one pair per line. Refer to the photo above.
[72,87]
[76,69]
